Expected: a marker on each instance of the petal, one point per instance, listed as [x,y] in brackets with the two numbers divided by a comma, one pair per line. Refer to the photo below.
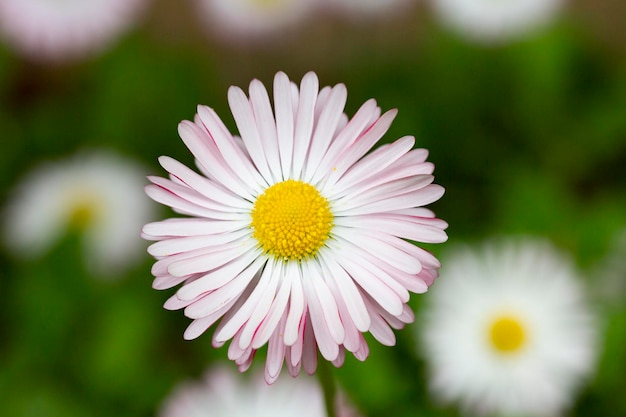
[244,118]
[304,123]
[174,246]
[198,143]
[322,335]
[275,314]
[236,156]
[297,308]
[350,294]
[266,126]
[327,301]
[371,165]
[226,294]
[209,261]
[248,265]
[192,227]
[356,150]
[283,108]
[203,185]
[325,129]
[345,138]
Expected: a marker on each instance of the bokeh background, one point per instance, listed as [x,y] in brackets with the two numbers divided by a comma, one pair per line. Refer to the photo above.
[528,137]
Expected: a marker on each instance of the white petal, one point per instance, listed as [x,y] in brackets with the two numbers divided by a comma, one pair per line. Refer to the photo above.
[235,155]
[209,261]
[203,185]
[360,147]
[371,165]
[275,314]
[184,244]
[297,308]
[284,111]
[244,118]
[304,122]
[216,168]
[247,265]
[327,301]
[327,346]
[192,227]
[266,126]
[325,129]
[349,292]
[345,138]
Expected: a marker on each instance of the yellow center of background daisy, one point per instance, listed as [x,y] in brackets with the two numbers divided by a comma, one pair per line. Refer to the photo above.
[507,334]
[291,220]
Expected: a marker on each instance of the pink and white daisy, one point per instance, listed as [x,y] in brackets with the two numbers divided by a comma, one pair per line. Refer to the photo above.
[53,30]
[508,331]
[297,239]
[253,19]
[221,394]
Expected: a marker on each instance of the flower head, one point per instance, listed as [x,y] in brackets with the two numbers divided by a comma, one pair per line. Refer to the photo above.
[489,21]
[53,30]
[95,192]
[297,238]
[253,19]
[507,331]
[220,394]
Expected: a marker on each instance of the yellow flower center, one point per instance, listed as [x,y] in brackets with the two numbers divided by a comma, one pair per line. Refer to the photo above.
[291,220]
[84,207]
[507,334]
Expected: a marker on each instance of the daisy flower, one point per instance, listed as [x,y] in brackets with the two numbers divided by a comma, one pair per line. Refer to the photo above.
[221,394]
[297,238]
[507,331]
[491,21]
[53,30]
[253,19]
[95,192]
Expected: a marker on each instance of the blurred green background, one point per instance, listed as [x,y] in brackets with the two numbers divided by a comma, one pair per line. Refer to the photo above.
[528,137]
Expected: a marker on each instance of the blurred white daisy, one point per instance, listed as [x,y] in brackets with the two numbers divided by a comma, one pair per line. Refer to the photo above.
[298,239]
[59,30]
[253,19]
[496,21]
[222,394]
[507,331]
[98,193]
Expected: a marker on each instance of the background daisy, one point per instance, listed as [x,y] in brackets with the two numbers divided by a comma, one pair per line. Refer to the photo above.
[221,393]
[507,332]
[297,239]
[253,20]
[97,194]
[60,30]
[495,21]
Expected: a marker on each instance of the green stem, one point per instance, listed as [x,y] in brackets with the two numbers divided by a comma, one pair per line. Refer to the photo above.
[329,387]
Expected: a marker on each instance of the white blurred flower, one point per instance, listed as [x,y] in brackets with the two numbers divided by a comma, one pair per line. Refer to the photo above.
[226,394]
[506,330]
[99,193]
[59,30]
[495,21]
[253,19]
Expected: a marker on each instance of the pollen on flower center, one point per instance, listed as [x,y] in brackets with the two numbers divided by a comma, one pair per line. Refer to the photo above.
[291,220]
[507,334]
